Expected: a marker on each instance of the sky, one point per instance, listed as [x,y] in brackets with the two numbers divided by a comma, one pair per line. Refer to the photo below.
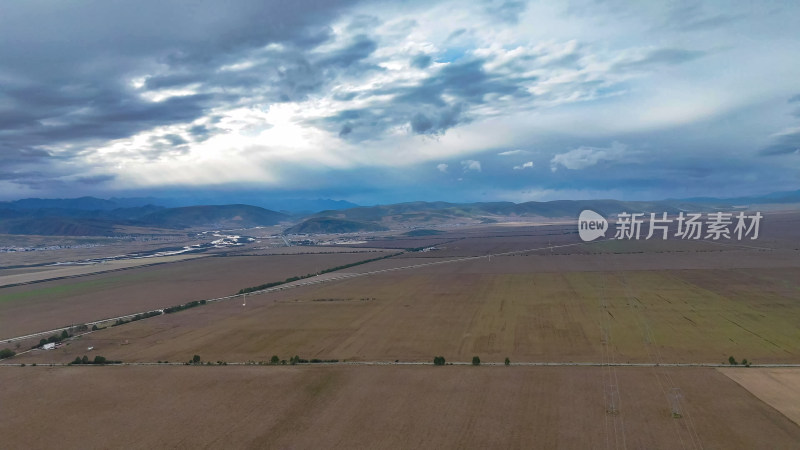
[390,101]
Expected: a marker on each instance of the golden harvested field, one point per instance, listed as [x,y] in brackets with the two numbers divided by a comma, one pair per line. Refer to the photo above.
[778,387]
[379,407]
[46,305]
[697,316]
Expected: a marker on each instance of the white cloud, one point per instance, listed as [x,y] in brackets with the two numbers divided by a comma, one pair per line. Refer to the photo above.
[583,157]
[471,164]
[527,165]
[513,152]
[442,168]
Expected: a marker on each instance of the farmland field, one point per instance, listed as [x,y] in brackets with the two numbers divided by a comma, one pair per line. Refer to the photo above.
[644,316]
[389,406]
[553,301]
[41,306]
[778,387]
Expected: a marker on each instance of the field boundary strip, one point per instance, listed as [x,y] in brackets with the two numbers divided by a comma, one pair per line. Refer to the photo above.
[426,363]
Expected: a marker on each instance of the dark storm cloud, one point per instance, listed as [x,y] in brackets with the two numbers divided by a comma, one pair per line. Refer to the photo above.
[274,75]
[68,81]
[66,69]
[467,81]
[783,145]
[19,175]
[438,122]
[200,133]
[95,179]
[111,116]
[166,146]
[97,32]
[361,47]
[432,106]
[174,139]
[421,61]
[41,183]
[346,129]
[10,155]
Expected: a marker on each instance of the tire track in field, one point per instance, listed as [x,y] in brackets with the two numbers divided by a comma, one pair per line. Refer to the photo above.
[661,375]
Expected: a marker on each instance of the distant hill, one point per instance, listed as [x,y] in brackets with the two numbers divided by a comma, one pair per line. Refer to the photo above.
[89,216]
[305,206]
[774,197]
[57,226]
[68,222]
[274,203]
[79,204]
[223,216]
[320,225]
[415,233]
[433,212]
[103,222]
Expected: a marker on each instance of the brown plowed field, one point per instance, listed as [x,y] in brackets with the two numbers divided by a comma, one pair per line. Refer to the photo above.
[645,316]
[604,302]
[378,407]
[47,305]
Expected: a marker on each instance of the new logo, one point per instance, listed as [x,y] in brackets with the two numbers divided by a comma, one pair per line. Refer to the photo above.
[591,225]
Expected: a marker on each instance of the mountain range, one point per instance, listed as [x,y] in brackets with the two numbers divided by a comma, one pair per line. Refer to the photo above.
[89,216]
[74,218]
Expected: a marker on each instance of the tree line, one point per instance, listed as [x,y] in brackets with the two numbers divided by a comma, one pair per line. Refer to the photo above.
[261,287]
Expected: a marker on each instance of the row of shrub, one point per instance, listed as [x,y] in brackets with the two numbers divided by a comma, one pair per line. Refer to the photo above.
[65,334]
[261,287]
[275,360]
[147,315]
[97,360]
[476,361]
[173,309]
[732,361]
[134,318]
